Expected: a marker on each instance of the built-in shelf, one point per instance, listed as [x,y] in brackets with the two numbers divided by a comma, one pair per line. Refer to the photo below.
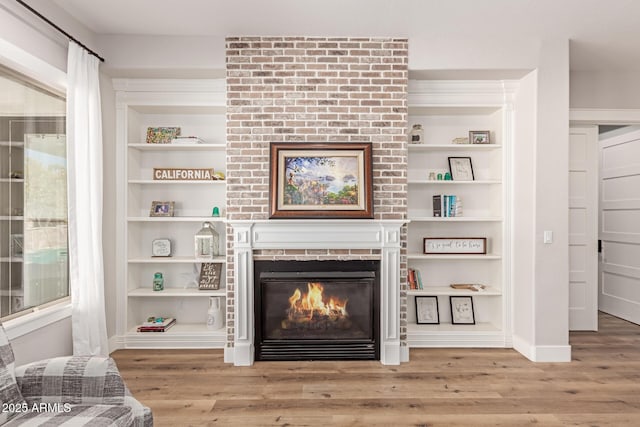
[417,108]
[180,182]
[12,144]
[181,335]
[452,147]
[176,260]
[11,259]
[447,290]
[453,257]
[198,108]
[176,292]
[183,328]
[443,182]
[448,110]
[11,293]
[12,180]
[455,219]
[449,328]
[177,147]
[11,218]
[175,219]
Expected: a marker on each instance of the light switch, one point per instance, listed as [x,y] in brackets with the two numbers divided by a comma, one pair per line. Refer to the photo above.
[548,236]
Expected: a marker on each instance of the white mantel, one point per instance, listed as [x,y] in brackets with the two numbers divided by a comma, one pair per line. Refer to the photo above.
[316,234]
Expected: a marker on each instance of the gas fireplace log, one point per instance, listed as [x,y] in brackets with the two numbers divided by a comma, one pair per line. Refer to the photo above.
[318,322]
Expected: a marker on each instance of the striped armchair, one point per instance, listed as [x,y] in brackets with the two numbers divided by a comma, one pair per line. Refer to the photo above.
[80,390]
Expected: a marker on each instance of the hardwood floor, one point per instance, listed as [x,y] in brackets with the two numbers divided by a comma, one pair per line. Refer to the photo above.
[452,387]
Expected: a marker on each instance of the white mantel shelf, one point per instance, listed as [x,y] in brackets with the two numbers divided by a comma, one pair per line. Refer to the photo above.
[316,234]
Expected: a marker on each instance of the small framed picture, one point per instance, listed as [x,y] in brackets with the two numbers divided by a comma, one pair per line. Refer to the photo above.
[461,168]
[161,208]
[455,245]
[462,310]
[427,310]
[17,244]
[479,137]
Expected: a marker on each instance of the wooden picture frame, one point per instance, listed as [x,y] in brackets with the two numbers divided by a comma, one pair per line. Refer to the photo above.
[462,312]
[455,245]
[461,169]
[321,180]
[161,208]
[427,312]
[480,137]
[162,135]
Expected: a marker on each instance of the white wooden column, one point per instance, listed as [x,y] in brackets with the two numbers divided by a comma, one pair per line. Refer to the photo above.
[390,295]
[244,329]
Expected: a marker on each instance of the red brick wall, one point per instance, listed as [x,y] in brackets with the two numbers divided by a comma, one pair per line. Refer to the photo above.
[314,89]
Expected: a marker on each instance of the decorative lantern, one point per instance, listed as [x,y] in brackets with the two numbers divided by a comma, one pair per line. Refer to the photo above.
[207,242]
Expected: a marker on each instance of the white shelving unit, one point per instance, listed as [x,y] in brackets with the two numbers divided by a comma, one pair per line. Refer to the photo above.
[11,197]
[448,110]
[198,108]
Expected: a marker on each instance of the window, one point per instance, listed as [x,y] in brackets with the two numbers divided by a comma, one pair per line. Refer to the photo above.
[34,267]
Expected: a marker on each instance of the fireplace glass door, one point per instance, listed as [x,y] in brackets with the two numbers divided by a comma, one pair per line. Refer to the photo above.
[317,315]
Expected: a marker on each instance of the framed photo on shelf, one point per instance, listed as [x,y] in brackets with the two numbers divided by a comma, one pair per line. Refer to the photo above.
[479,137]
[461,168]
[462,310]
[455,245]
[161,208]
[321,180]
[17,245]
[162,135]
[427,312]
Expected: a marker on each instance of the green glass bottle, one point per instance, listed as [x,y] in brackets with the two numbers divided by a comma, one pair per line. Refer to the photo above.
[158,282]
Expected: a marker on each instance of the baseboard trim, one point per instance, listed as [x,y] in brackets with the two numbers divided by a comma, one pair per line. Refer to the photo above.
[542,353]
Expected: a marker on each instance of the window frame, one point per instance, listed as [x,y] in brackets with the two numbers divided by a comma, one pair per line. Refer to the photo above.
[54,80]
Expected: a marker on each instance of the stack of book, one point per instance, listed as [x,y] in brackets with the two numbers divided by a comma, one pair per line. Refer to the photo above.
[157,324]
[415,279]
[445,205]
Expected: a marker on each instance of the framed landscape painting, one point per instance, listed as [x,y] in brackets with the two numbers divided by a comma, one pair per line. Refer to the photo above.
[321,180]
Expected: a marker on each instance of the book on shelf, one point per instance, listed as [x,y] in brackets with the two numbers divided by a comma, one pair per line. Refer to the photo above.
[419,279]
[160,324]
[437,205]
[446,205]
[187,140]
[415,279]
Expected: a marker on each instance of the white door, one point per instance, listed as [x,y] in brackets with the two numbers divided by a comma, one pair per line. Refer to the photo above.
[620,224]
[583,228]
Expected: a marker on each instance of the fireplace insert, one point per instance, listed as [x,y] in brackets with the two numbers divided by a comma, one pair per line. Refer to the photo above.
[311,310]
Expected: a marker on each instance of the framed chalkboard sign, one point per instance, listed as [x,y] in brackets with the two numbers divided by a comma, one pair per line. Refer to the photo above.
[210,276]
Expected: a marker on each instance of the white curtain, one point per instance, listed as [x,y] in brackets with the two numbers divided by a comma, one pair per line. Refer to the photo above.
[84,154]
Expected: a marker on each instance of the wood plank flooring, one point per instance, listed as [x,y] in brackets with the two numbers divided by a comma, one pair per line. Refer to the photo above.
[438,387]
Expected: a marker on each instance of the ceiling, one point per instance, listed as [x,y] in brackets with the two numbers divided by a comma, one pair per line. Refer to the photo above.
[604,34]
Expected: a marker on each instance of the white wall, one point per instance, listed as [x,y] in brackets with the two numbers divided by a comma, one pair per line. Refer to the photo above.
[523,166]
[107,95]
[52,341]
[551,301]
[605,89]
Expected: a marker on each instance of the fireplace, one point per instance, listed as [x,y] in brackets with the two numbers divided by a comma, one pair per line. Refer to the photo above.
[270,238]
[317,310]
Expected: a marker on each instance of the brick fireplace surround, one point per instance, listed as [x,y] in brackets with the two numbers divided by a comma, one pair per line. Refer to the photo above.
[315,89]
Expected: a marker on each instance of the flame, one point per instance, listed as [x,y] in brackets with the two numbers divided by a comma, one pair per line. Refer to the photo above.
[312,303]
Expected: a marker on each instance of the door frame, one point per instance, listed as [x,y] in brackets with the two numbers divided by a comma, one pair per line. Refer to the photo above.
[594,116]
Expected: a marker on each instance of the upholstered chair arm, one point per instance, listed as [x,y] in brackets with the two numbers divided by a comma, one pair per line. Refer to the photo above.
[82,380]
